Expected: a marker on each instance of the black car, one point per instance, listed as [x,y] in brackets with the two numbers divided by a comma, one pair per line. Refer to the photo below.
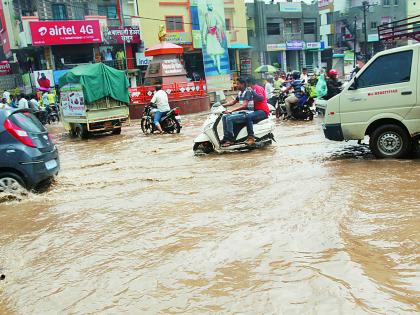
[28,155]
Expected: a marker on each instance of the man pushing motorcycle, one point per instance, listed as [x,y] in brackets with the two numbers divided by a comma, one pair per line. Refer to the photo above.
[249,92]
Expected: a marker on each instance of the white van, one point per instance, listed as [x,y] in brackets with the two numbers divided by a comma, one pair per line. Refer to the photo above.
[383,102]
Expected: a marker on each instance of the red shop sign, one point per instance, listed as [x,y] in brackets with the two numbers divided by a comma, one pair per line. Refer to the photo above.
[5,67]
[65,32]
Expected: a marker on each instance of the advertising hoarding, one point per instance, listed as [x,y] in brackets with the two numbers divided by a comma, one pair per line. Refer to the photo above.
[65,32]
[214,44]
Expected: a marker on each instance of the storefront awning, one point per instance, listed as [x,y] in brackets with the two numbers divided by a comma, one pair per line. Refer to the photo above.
[239,46]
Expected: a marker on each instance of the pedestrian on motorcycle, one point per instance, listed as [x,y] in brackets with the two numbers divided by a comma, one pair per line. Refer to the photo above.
[33,104]
[333,85]
[298,93]
[261,110]
[160,100]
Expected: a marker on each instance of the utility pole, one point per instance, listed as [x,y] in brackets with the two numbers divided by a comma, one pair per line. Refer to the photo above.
[355,40]
[366,7]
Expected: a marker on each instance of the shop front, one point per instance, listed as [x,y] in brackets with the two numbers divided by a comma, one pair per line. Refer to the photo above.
[66,44]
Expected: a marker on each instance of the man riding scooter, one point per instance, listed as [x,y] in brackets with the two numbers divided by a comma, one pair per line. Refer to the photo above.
[261,111]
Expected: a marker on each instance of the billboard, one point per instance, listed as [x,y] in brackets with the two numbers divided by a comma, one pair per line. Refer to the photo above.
[44,80]
[214,44]
[65,32]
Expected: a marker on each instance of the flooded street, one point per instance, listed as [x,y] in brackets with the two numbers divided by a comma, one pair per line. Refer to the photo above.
[138,225]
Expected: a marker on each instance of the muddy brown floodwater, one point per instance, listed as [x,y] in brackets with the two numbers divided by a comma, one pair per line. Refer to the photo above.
[138,225]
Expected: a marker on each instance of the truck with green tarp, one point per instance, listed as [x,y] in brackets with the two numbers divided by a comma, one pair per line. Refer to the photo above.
[93,98]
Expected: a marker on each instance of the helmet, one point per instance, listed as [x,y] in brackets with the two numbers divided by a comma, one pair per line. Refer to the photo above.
[295,75]
[332,73]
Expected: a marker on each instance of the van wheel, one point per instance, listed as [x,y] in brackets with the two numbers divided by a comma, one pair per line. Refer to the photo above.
[389,142]
[81,131]
[11,184]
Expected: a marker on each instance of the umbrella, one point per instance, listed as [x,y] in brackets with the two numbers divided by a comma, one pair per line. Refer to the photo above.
[266,68]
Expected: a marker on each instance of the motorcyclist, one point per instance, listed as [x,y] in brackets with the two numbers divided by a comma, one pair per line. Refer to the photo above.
[333,85]
[160,100]
[298,93]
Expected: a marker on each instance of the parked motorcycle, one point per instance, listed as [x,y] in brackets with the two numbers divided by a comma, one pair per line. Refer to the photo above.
[210,138]
[170,123]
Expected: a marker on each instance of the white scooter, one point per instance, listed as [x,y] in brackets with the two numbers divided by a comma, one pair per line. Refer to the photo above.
[210,139]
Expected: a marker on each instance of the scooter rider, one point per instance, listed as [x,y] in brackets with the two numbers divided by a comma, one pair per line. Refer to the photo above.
[261,110]
[298,93]
[244,98]
[160,99]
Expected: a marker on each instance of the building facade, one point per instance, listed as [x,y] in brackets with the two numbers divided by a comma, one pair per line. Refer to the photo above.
[284,34]
[178,18]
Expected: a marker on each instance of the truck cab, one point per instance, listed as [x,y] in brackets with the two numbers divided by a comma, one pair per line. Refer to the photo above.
[383,102]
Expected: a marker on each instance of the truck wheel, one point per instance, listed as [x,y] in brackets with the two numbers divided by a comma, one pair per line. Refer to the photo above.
[389,142]
[81,131]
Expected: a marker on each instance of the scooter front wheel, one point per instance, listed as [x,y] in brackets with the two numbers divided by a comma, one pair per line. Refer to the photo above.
[203,148]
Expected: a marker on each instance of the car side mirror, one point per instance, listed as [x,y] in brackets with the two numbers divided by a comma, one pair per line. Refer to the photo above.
[355,84]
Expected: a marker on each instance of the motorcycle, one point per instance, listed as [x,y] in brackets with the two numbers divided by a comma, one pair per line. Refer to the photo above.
[302,111]
[52,114]
[170,123]
[209,140]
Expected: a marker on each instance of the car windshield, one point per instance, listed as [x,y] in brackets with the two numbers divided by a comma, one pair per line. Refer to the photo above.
[27,122]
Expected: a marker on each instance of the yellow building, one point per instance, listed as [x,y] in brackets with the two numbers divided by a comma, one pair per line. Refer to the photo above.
[413,8]
[177,17]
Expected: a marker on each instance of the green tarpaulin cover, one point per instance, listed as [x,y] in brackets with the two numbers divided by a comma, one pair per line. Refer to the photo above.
[98,81]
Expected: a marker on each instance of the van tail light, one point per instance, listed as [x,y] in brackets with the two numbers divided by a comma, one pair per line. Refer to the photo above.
[177,111]
[18,133]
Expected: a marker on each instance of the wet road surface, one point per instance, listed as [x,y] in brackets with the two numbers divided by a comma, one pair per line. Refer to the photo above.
[138,225]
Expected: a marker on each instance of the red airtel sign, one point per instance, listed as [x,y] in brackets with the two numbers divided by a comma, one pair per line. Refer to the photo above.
[65,32]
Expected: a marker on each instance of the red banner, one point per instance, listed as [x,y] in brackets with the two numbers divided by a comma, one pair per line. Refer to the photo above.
[65,32]
[175,91]
[5,67]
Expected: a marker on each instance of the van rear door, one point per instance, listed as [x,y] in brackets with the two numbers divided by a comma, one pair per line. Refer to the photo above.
[387,85]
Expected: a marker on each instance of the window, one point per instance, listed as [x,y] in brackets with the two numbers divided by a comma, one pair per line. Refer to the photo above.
[396,2]
[174,23]
[330,40]
[388,69]
[386,2]
[292,26]
[273,29]
[110,11]
[373,25]
[329,18]
[80,11]
[228,24]
[309,28]
[59,11]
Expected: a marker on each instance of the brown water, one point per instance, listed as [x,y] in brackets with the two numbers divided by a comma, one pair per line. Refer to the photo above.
[138,225]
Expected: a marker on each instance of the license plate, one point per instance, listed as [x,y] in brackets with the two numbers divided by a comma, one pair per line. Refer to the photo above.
[178,118]
[51,164]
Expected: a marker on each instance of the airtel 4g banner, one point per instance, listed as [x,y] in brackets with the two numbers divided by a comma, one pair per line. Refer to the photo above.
[65,32]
